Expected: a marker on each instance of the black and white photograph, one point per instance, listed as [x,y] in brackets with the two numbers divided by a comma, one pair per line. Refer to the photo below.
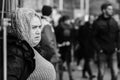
[59,39]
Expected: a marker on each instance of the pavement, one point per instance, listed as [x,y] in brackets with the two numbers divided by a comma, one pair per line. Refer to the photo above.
[77,74]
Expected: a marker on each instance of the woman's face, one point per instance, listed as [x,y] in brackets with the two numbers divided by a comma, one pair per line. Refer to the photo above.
[35,31]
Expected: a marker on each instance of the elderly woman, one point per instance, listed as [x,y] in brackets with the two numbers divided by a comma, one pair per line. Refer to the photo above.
[24,62]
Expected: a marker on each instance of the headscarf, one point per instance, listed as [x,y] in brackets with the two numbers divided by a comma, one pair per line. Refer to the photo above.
[22,24]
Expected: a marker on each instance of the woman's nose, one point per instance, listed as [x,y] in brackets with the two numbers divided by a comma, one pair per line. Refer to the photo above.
[38,31]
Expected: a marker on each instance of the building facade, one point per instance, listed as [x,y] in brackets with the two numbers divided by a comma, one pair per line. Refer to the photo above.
[73,8]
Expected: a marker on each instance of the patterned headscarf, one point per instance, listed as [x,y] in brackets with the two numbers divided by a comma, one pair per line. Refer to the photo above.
[22,24]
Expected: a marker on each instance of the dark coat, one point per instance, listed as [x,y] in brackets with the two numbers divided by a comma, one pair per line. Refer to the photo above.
[63,34]
[106,33]
[85,40]
[20,59]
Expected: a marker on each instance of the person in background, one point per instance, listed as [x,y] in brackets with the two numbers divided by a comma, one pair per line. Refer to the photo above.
[116,17]
[63,36]
[76,42]
[48,45]
[105,41]
[87,49]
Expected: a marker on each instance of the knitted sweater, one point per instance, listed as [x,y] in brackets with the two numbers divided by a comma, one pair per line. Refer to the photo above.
[44,69]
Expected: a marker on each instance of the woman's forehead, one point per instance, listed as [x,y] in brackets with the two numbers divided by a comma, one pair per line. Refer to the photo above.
[35,21]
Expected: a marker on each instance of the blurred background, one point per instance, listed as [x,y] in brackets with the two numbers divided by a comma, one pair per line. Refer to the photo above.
[73,8]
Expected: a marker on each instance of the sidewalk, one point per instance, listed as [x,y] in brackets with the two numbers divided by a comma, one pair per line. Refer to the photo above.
[77,74]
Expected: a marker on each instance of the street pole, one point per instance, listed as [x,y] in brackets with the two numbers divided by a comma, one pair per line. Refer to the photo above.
[4,43]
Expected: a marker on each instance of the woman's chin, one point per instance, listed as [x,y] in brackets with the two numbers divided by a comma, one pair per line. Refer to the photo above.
[35,43]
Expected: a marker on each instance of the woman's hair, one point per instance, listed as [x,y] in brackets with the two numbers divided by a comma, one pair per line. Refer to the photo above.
[22,23]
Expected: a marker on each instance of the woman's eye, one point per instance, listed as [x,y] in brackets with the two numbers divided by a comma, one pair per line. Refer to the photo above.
[40,26]
[34,27]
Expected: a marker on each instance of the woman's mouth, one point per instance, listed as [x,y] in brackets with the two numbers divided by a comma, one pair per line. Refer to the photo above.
[37,37]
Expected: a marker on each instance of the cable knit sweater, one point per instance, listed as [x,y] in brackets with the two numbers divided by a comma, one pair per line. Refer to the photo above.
[44,69]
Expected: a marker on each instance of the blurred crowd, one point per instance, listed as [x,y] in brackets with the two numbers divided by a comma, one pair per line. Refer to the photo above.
[63,40]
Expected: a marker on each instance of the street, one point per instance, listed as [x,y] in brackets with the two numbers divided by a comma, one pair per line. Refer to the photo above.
[77,74]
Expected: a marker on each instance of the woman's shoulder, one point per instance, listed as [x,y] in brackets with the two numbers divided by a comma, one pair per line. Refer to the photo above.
[20,56]
[19,47]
